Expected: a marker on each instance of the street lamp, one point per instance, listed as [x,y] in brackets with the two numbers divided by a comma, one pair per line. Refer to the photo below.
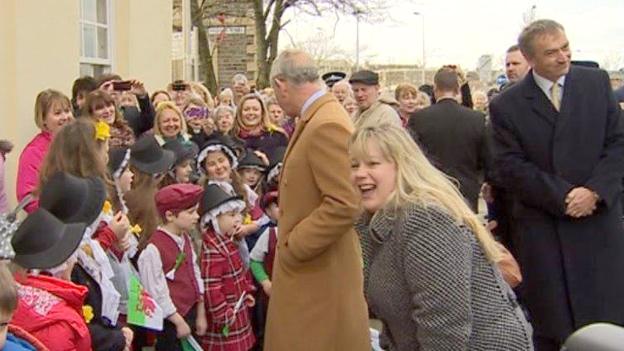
[357,14]
[422,17]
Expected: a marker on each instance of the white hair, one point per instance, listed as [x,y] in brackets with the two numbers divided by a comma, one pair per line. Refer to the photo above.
[295,66]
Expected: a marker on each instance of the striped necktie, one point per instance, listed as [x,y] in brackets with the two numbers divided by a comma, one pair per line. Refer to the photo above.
[555,95]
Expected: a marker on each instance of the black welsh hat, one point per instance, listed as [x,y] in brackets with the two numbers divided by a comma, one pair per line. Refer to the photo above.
[43,241]
[251,160]
[182,151]
[149,157]
[73,199]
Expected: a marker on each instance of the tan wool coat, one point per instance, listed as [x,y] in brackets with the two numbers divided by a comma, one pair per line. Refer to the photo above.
[317,300]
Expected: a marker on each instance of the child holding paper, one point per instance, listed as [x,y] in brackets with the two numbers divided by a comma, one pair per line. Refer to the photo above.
[168,268]
[228,287]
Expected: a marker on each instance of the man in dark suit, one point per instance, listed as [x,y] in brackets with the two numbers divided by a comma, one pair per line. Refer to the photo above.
[559,148]
[452,136]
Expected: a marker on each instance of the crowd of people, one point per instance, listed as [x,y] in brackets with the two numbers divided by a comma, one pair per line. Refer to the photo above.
[286,218]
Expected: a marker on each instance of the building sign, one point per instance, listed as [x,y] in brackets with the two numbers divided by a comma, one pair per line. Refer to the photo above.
[228,30]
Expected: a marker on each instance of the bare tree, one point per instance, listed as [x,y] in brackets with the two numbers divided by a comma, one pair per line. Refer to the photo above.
[269,22]
[206,64]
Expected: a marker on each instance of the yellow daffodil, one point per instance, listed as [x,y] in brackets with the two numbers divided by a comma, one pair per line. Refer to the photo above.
[87,313]
[102,131]
[107,208]
[247,219]
[136,229]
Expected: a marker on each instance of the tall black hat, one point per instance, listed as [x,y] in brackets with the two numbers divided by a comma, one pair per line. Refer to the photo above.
[214,196]
[149,157]
[276,159]
[218,143]
[73,199]
[42,241]
[182,151]
[118,160]
[251,160]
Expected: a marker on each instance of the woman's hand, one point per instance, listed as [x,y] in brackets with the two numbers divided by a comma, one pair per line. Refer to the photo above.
[137,88]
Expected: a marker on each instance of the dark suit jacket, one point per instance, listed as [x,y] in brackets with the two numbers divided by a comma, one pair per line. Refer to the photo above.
[453,138]
[572,268]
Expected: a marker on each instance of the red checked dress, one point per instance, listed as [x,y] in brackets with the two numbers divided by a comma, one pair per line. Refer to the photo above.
[225,279]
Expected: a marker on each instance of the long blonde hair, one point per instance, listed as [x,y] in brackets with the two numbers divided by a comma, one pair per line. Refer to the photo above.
[418,181]
[267,125]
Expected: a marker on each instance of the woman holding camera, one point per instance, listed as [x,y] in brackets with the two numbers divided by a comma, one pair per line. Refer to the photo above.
[141,118]
[429,264]
[102,107]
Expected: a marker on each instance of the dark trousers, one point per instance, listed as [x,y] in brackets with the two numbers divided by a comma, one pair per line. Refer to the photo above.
[546,344]
[167,339]
[258,317]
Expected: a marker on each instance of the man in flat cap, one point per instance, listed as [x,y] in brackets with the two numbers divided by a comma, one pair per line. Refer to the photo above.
[372,108]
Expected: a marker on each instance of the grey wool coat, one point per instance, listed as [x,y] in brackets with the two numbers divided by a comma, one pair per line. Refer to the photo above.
[429,281]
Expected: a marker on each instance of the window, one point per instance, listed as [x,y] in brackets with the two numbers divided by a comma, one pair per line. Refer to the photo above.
[95,37]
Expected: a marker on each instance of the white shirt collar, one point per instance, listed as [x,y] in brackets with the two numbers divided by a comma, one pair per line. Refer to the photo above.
[311,100]
[178,239]
[546,84]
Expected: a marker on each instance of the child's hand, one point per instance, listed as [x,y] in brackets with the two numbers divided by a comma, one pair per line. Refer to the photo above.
[128,335]
[236,232]
[182,329]
[266,286]
[201,325]
[123,243]
[244,230]
[250,301]
[120,224]
[262,156]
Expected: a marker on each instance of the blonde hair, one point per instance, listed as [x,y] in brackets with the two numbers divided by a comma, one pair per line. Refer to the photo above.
[197,101]
[422,96]
[418,182]
[404,89]
[226,92]
[44,102]
[267,125]
[8,293]
[160,109]
[203,93]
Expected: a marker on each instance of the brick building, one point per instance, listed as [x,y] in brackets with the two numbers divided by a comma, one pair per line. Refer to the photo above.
[230,27]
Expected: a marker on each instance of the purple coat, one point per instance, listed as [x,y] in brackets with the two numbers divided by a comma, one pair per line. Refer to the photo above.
[266,141]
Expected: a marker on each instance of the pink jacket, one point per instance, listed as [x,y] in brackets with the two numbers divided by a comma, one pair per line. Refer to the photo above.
[30,162]
[4,202]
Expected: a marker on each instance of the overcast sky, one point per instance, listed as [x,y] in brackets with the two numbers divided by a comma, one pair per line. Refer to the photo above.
[459,31]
